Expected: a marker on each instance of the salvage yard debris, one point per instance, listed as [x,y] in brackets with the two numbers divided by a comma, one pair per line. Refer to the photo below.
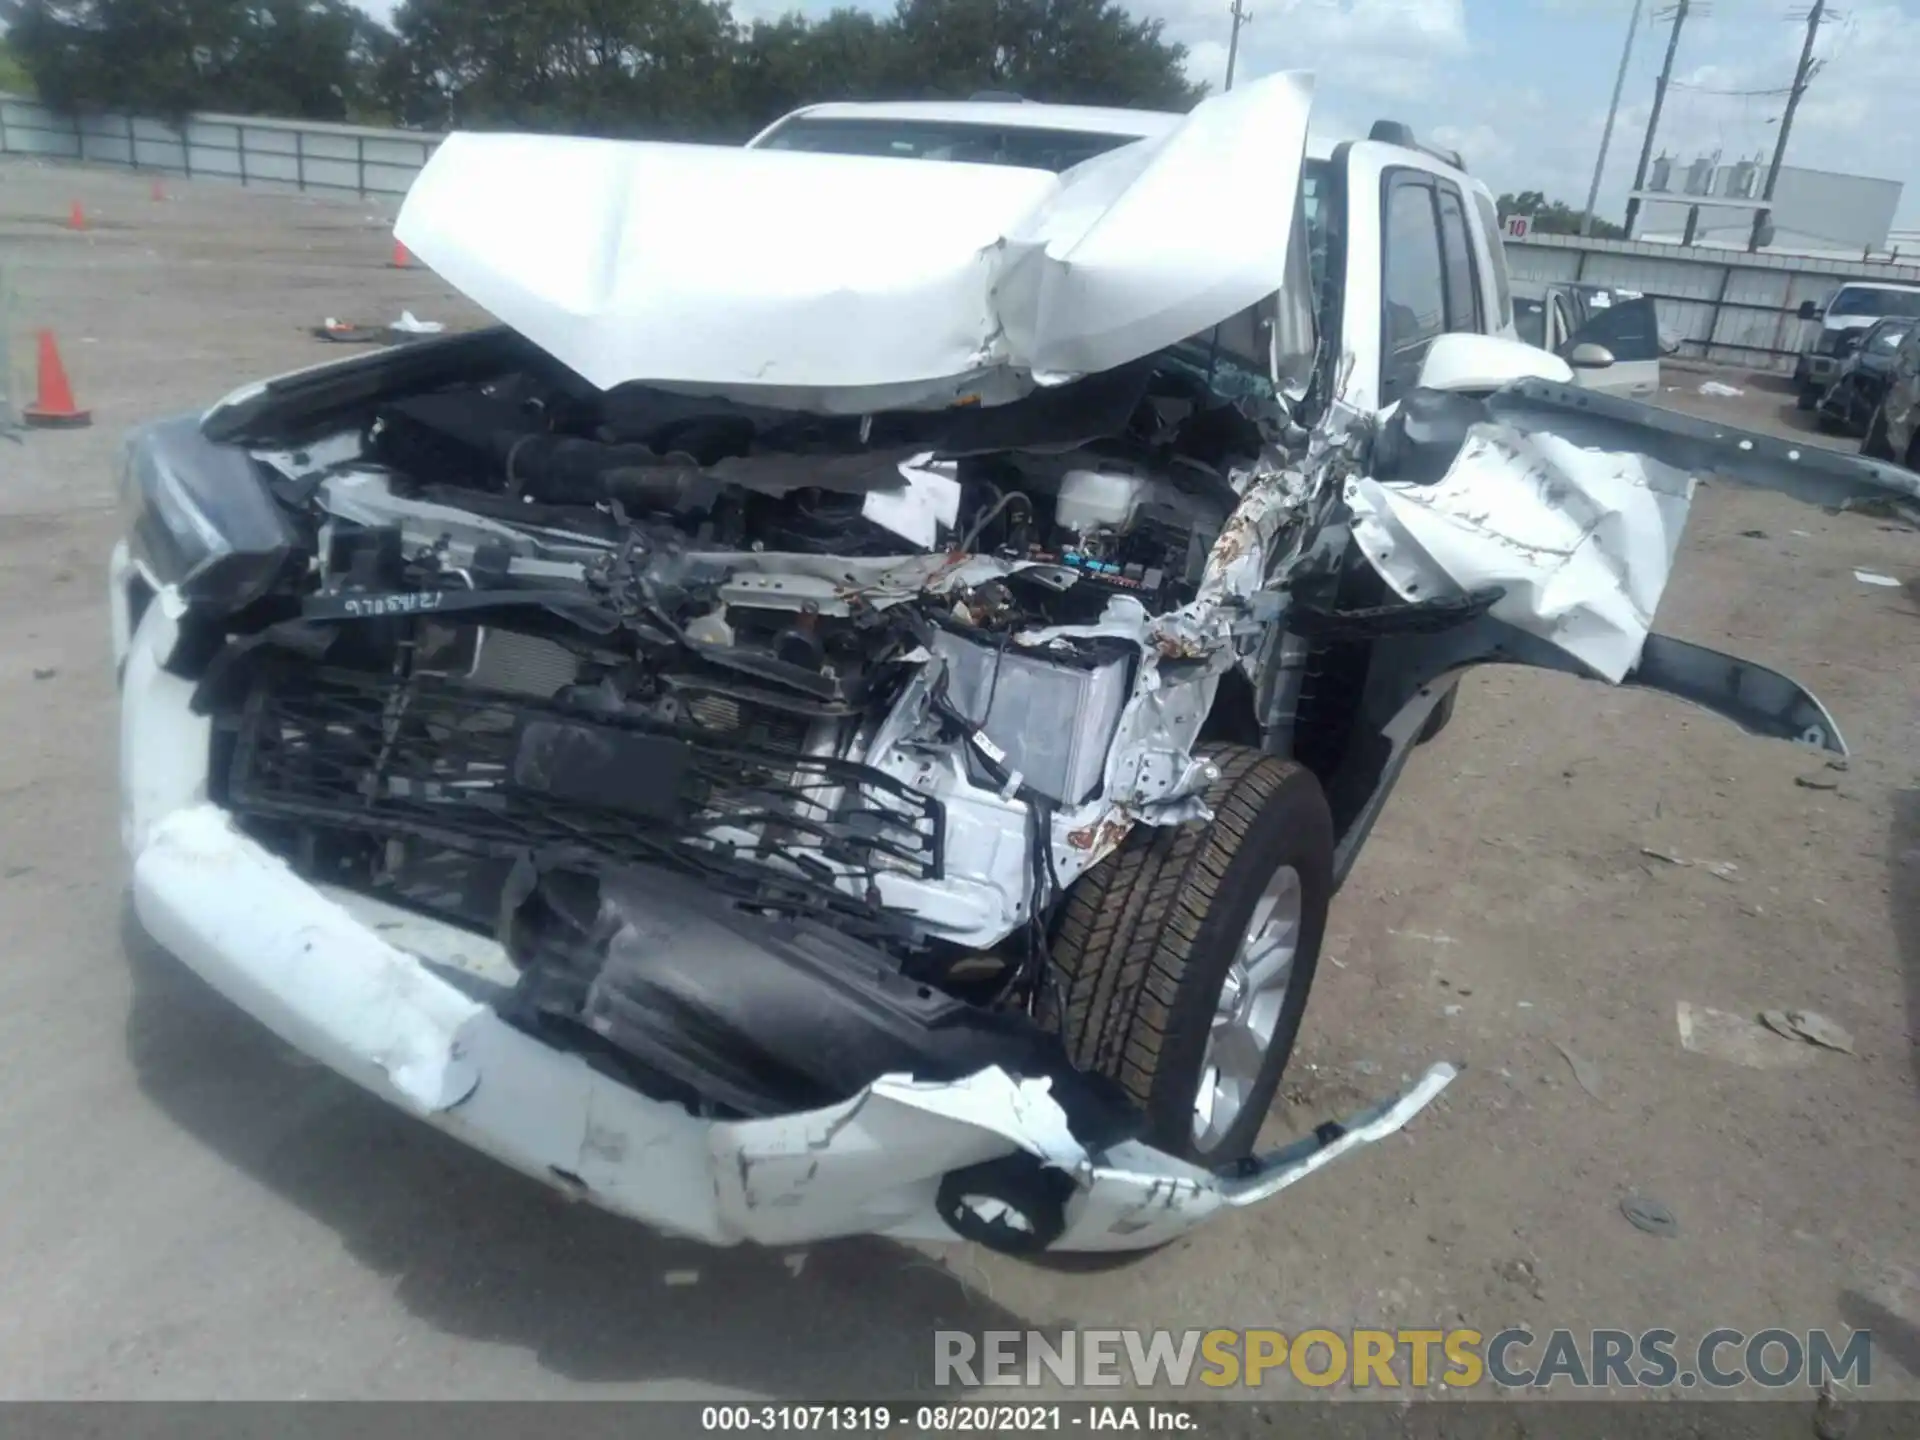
[1584,1070]
[1649,1215]
[353,332]
[1722,1035]
[1810,1026]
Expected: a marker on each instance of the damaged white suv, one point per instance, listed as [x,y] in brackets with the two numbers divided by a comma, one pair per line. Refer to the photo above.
[847,711]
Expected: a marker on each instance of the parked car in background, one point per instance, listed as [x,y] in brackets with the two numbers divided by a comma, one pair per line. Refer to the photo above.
[1844,323]
[1894,431]
[1848,404]
[1611,338]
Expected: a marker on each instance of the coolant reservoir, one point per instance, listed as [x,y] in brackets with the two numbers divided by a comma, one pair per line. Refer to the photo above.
[1097,500]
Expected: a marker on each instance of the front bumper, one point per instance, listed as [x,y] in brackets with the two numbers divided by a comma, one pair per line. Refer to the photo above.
[390,1003]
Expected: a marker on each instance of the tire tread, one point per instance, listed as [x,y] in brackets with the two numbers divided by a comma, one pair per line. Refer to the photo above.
[1128,929]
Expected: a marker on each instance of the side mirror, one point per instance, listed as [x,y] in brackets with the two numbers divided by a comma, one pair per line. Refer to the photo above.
[1809,310]
[1589,356]
[1463,362]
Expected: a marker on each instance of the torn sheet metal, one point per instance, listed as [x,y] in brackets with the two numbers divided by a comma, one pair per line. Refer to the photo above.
[1151,774]
[1574,502]
[1135,1198]
[1582,541]
[327,983]
[852,284]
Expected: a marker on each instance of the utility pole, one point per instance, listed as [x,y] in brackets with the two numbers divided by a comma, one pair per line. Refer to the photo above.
[1241,16]
[1653,120]
[1803,72]
[1606,135]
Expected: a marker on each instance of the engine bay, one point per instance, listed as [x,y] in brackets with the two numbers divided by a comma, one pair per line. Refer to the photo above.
[904,674]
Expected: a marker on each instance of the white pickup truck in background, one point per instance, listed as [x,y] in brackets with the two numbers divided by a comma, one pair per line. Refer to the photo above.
[1844,322]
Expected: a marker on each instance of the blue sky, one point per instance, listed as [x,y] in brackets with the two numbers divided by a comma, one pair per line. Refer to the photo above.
[1521,86]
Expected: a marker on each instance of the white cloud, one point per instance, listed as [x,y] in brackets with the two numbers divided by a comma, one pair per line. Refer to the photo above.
[1393,48]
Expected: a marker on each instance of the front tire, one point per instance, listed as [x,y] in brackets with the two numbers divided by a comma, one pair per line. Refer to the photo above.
[1186,957]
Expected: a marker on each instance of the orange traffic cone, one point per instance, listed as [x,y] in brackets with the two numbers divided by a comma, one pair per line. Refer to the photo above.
[401,259]
[76,217]
[53,407]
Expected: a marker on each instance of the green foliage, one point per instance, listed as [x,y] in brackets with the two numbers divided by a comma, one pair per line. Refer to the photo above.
[609,67]
[14,79]
[1555,217]
[307,58]
[660,68]
[1087,52]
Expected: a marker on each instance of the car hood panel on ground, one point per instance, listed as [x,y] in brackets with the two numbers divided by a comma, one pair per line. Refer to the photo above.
[853,283]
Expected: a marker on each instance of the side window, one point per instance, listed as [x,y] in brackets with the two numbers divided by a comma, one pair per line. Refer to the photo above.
[1463,278]
[1413,287]
[1497,248]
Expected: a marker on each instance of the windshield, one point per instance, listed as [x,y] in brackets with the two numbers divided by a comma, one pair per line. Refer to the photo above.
[954,140]
[1886,337]
[1866,300]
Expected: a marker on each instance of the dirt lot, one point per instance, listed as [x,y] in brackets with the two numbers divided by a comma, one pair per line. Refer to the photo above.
[192,1211]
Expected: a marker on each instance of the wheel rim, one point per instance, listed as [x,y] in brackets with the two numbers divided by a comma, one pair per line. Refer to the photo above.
[1247,1014]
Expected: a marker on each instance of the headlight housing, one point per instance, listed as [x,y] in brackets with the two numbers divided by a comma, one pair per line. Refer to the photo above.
[200,517]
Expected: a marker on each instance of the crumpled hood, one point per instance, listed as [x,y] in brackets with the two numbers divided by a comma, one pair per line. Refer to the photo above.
[854,283]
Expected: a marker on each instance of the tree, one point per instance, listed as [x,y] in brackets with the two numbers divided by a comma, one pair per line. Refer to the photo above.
[660,68]
[1555,217]
[607,67]
[14,79]
[305,58]
[1088,52]
[780,65]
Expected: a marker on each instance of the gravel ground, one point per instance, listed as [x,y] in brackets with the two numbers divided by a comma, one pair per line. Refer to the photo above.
[191,1210]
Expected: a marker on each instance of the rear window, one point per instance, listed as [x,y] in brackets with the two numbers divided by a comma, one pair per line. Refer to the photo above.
[1502,287]
[1866,300]
[950,140]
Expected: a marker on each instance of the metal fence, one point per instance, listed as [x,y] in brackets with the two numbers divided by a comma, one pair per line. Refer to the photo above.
[252,150]
[1727,306]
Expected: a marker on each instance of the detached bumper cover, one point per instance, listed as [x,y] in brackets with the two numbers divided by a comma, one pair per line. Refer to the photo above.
[336,989]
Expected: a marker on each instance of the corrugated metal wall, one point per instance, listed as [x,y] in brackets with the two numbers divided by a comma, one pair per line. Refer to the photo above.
[304,155]
[1722,305]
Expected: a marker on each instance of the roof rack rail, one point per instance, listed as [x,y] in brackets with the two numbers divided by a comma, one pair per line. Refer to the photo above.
[999,95]
[1398,132]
